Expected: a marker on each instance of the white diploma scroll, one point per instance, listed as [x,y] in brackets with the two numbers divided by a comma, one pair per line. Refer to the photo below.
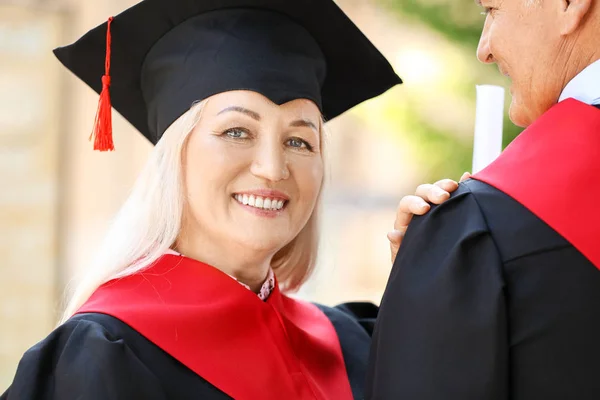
[487,144]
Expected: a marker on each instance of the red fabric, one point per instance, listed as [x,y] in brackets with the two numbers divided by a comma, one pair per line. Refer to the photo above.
[102,132]
[266,288]
[277,349]
[552,168]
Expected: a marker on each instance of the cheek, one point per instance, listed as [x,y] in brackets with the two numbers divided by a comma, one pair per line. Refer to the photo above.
[211,166]
[309,178]
[517,43]
[505,38]
[211,152]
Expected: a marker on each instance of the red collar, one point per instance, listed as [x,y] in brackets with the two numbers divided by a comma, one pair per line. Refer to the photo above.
[552,168]
[249,349]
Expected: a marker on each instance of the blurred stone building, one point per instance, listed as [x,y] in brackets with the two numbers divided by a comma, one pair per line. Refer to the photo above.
[57,195]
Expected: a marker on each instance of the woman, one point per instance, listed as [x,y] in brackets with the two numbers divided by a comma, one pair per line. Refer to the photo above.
[234,94]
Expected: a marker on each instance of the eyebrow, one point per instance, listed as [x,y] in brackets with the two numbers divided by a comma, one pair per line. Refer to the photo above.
[305,123]
[478,2]
[242,110]
[254,115]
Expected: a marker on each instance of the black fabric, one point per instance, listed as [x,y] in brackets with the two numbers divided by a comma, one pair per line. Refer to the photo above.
[167,54]
[261,51]
[487,302]
[353,322]
[363,312]
[97,357]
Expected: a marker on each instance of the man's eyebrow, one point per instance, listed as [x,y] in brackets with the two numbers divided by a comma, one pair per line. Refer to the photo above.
[242,110]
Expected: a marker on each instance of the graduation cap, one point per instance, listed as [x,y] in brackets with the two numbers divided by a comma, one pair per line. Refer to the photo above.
[160,56]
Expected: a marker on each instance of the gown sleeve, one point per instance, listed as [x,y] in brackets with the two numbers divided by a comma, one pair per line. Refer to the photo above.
[364,313]
[442,327]
[353,323]
[81,360]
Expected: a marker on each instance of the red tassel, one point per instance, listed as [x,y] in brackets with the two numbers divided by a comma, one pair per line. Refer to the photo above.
[102,131]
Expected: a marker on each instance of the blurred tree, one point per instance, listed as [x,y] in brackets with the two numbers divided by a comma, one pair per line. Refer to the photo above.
[446,153]
[458,20]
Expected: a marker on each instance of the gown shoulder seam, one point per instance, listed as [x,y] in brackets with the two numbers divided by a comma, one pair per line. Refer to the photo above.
[485,220]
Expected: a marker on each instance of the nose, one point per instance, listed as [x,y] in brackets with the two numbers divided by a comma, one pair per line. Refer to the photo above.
[270,161]
[484,53]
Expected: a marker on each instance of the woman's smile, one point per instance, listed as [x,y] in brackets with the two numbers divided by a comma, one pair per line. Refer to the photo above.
[262,202]
[264,207]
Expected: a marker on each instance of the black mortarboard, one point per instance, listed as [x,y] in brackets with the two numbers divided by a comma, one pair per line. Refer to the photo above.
[166,54]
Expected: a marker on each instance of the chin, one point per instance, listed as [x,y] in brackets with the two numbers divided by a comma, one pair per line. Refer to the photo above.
[519,114]
[265,243]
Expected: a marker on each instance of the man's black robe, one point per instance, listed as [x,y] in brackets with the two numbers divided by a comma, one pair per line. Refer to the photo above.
[495,294]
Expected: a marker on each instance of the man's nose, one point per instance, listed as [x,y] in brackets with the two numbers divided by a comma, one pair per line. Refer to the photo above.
[484,53]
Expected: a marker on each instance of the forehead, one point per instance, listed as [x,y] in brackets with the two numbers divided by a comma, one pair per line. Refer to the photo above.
[260,104]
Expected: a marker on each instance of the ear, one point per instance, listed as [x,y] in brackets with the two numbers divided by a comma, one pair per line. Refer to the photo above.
[573,13]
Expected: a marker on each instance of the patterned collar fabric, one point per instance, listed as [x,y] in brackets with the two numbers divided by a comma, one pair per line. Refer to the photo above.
[266,288]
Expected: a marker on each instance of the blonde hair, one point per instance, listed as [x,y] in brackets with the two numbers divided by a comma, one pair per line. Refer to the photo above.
[149,222]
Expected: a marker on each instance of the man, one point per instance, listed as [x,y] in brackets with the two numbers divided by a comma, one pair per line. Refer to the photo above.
[495,294]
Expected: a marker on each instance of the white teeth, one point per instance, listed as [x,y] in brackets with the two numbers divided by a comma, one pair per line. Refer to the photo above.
[258,203]
[264,203]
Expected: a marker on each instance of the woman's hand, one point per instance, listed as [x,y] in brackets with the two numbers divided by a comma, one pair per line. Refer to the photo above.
[417,205]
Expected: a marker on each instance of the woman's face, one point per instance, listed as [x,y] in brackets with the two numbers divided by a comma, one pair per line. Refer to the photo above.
[253,171]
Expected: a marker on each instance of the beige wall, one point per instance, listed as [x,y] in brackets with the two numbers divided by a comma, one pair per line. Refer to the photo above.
[56,195]
[29,185]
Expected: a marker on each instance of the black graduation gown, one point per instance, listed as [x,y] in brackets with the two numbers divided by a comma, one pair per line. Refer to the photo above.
[486,300]
[95,356]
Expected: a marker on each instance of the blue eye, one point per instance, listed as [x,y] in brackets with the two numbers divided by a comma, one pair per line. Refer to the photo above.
[236,133]
[299,144]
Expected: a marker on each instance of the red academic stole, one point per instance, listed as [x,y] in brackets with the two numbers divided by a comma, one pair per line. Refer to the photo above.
[249,349]
[553,169]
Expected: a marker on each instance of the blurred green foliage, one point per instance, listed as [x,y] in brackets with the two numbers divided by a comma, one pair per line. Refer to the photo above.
[442,152]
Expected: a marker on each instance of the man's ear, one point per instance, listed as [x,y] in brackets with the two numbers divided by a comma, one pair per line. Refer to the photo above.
[573,13]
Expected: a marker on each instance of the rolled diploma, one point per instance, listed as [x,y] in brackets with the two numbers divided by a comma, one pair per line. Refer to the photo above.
[487,143]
